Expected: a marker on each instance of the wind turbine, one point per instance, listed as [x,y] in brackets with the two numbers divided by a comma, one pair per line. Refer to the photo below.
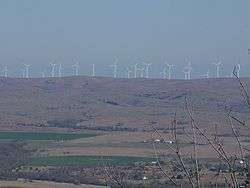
[93,69]
[238,69]
[147,66]
[169,69]
[26,69]
[135,70]
[53,68]
[218,64]
[164,72]
[187,71]
[141,71]
[43,74]
[129,71]
[114,66]
[208,74]
[6,71]
[23,73]
[60,70]
[76,69]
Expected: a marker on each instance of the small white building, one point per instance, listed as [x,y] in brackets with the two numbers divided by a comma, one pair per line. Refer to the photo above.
[144,178]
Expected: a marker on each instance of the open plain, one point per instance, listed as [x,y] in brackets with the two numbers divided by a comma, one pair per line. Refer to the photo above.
[85,122]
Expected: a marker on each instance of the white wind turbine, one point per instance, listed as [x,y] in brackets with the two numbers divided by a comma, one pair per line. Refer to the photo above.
[187,71]
[236,70]
[114,66]
[53,68]
[23,73]
[169,70]
[147,67]
[60,70]
[141,71]
[76,68]
[129,71]
[93,70]
[164,72]
[43,74]
[135,70]
[27,70]
[238,67]
[6,71]
[218,65]
[208,74]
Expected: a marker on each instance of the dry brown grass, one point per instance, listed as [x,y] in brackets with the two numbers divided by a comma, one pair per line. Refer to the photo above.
[42,184]
[131,144]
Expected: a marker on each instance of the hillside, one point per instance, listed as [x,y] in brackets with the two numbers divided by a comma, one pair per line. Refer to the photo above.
[117,104]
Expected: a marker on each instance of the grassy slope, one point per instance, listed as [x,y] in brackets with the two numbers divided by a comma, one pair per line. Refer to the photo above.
[41,136]
[85,101]
[85,160]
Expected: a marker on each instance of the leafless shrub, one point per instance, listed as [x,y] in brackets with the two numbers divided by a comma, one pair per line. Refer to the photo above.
[193,175]
[114,175]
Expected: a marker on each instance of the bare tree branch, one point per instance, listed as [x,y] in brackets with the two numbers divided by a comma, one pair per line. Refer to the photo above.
[243,88]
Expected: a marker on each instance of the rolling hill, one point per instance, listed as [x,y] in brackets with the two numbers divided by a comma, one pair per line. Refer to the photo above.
[114,104]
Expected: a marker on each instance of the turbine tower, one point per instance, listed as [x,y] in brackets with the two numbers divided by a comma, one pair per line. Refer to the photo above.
[114,66]
[93,69]
[23,73]
[164,72]
[53,68]
[76,69]
[141,71]
[169,70]
[147,66]
[6,71]
[43,74]
[128,72]
[208,74]
[187,71]
[238,66]
[135,70]
[27,70]
[60,70]
[218,65]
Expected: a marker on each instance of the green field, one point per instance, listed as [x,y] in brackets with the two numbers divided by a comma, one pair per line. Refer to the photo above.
[85,160]
[41,136]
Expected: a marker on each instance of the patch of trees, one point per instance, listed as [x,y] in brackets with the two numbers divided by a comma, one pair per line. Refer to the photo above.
[110,128]
[12,154]
[68,123]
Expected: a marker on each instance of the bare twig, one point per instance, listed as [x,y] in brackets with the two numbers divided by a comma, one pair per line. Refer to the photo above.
[219,151]
[243,88]
[160,166]
[180,157]
[114,175]
[196,155]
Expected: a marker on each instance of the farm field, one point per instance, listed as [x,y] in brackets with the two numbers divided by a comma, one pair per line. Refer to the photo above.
[136,144]
[73,141]
[43,184]
[4,135]
[86,160]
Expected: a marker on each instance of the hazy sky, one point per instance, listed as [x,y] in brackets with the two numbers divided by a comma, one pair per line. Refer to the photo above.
[97,31]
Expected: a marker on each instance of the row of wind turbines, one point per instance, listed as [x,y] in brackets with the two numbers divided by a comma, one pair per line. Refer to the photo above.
[137,70]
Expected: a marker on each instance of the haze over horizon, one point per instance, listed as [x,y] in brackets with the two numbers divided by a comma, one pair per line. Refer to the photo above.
[92,31]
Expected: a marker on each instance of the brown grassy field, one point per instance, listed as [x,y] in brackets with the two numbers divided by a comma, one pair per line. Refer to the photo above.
[133,144]
[113,104]
[122,114]
[42,184]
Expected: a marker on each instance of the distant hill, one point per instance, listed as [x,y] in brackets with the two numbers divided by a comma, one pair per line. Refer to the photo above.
[114,104]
